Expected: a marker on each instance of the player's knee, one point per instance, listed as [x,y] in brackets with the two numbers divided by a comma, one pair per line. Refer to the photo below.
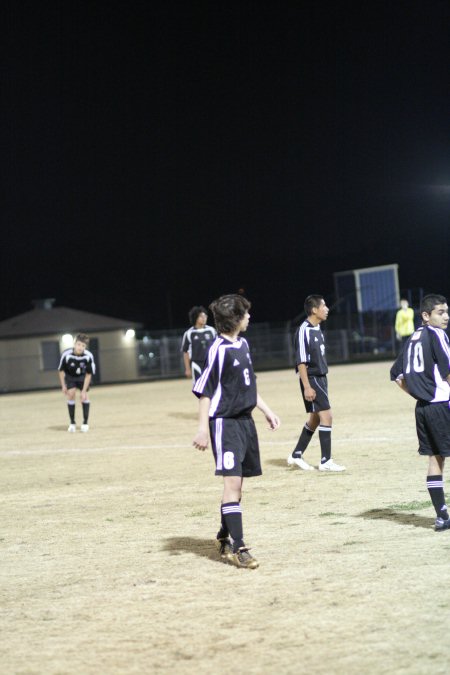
[326,418]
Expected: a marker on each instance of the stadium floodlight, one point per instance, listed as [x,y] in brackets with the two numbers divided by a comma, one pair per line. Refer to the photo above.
[130,334]
[67,340]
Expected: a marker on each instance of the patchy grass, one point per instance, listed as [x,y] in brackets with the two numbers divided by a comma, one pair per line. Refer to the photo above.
[411,506]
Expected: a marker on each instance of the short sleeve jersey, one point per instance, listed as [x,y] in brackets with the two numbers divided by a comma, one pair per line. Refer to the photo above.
[310,349]
[77,367]
[197,341]
[424,363]
[228,379]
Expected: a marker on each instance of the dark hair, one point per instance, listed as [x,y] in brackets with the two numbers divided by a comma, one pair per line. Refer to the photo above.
[194,312]
[228,312]
[430,301]
[312,301]
[82,337]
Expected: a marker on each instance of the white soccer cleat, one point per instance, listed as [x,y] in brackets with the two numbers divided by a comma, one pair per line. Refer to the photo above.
[331,466]
[71,428]
[84,428]
[298,461]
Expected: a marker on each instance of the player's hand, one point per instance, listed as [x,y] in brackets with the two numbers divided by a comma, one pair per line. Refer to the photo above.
[64,389]
[309,394]
[188,373]
[84,396]
[274,421]
[200,440]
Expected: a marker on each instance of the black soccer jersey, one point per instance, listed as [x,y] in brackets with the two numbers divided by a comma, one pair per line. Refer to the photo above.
[77,367]
[310,349]
[424,363]
[228,379]
[197,341]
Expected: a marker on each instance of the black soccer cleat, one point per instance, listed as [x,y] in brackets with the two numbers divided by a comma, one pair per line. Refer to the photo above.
[440,525]
[223,545]
[242,558]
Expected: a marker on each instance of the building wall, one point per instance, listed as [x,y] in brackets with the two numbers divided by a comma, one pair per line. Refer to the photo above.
[22,366]
[117,357]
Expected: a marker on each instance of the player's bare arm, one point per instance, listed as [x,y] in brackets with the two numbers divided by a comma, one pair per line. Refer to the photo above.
[274,420]
[201,437]
[309,392]
[62,381]
[187,365]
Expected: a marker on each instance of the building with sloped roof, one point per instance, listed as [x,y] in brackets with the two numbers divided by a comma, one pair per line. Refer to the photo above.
[31,344]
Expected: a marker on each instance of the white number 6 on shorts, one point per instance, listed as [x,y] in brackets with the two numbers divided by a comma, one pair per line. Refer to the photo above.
[228,460]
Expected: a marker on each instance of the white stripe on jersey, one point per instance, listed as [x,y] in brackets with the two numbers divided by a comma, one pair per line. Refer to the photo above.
[199,385]
[92,360]
[187,334]
[301,342]
[304,330]
[443,340]
[217,351]
[80,357]
[442,391]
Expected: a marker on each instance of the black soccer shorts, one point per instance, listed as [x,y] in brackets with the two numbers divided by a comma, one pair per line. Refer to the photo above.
[433,428]
[72,383]
[235,446]
[320,385]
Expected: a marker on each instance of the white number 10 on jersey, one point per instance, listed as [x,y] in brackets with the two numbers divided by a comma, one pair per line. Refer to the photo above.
[415,354]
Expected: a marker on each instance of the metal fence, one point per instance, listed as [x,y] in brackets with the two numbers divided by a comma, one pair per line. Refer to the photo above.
[272,345]
[158,354]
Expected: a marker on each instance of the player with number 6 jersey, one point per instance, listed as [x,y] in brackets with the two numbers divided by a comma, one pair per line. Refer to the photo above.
[227,393]
[228,379]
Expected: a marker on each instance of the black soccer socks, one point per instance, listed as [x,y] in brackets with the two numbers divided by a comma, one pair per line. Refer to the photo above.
[223,532]
[71,409]
[232,514]
[435,486]
[303,441]
[86,405]
[325,443]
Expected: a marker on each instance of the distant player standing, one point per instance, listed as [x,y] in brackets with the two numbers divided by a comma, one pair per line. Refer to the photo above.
[311,366]
[422,370]
[404,321]
[227,393]
[196,342]
[76,369]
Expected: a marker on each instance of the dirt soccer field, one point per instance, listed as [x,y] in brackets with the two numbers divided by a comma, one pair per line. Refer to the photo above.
[107,557]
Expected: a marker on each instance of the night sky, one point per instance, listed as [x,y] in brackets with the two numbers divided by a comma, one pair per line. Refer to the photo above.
[156,155]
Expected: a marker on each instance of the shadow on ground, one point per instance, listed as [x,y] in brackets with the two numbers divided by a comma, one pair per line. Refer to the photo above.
[183,416]
[398,517]
[204,548]
[278,462]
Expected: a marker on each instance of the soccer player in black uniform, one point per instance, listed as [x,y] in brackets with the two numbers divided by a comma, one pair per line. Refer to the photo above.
[311,366]
[227,393]
[422,370]
[196,342]
[76,369]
